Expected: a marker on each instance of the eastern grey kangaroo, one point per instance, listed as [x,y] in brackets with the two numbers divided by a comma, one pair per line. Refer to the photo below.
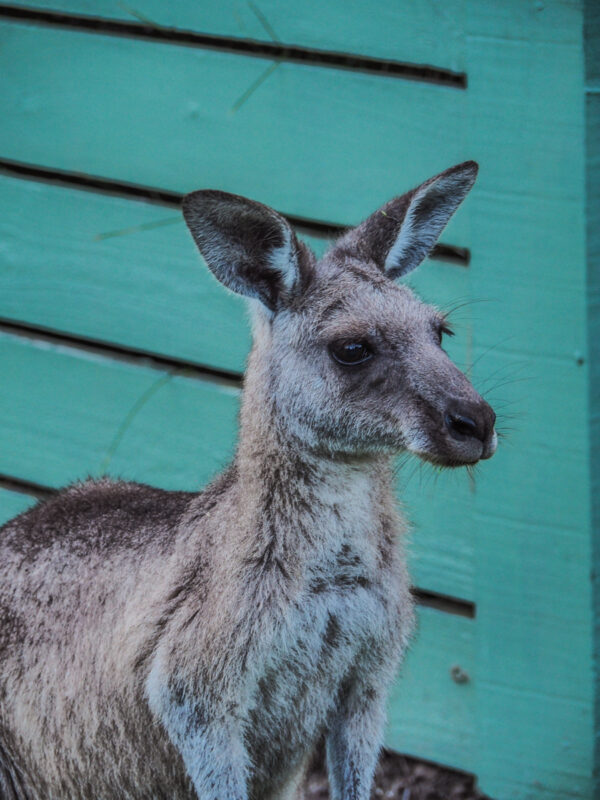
[175,645]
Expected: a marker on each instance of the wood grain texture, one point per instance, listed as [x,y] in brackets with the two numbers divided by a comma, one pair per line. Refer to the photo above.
[317,143]
[68,414]
[447,734]
[592,188]
[422,33]
[535,693]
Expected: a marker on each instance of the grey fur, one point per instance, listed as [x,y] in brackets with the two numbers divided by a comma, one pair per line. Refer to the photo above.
[173,645]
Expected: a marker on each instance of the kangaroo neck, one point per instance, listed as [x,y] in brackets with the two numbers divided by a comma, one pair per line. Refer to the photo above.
[293,492]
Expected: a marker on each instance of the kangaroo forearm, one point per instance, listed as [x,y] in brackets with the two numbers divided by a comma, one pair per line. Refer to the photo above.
[212,750]
[351,768]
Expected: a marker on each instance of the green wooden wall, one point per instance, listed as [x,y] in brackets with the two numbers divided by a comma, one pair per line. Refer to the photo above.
[119,353]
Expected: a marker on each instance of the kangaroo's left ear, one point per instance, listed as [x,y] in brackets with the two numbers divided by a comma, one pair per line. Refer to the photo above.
[402,233]
[249,247]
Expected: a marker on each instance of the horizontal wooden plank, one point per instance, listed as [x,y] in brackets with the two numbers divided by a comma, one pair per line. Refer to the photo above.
[66,414]
[78,414]
[311,142]
[556,735]
[404,31]
[13,503]
[431,715]
[128,272]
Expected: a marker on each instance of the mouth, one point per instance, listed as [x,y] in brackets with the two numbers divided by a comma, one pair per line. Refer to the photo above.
[453,452]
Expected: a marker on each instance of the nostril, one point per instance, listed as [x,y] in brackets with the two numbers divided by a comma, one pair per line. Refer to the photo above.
[462,425]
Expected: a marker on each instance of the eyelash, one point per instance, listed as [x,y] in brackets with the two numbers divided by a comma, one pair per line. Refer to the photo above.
[444,329]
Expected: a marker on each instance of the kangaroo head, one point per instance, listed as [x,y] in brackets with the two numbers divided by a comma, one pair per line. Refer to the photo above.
[352,361]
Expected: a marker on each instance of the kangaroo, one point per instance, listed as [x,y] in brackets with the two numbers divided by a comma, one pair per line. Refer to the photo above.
[176,645]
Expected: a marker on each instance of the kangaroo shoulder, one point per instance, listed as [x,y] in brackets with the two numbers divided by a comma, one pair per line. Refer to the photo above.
[95,515]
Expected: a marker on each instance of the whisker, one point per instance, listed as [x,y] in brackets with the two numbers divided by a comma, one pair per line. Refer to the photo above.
[512,417]
[516,365]
[505,383]
[502,403]
[471,474]
[463,303]
[492,347]
[409,477]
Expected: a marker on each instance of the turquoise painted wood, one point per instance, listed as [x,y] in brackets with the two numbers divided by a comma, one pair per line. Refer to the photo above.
[421,33]
[68,414]
[592,168]
[448,734]
[13,503]
[535,690]
[349,141]
[522,542]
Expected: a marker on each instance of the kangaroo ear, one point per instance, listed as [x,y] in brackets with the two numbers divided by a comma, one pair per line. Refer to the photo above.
[249,247]
[401,234]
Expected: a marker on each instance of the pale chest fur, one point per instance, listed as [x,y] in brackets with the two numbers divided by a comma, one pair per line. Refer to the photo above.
[345,624]
[306,598]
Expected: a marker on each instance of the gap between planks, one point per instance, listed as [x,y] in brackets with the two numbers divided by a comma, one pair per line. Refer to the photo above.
[276,51]
[423,597]
[118,352]
[451,254]
[26,487]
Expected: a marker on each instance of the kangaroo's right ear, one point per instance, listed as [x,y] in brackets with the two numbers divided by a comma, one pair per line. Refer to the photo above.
[249,247]
[400,235]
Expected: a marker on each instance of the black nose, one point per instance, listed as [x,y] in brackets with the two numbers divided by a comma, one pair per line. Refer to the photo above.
[470,421]
[463,425]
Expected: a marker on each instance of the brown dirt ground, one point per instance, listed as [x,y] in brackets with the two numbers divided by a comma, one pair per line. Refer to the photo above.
[402,778]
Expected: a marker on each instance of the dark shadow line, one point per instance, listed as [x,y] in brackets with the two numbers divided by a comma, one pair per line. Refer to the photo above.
[444,602]
[118,352]
[248,47]
[26,487]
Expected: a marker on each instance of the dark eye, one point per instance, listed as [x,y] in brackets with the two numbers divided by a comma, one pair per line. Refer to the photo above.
[350,353]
